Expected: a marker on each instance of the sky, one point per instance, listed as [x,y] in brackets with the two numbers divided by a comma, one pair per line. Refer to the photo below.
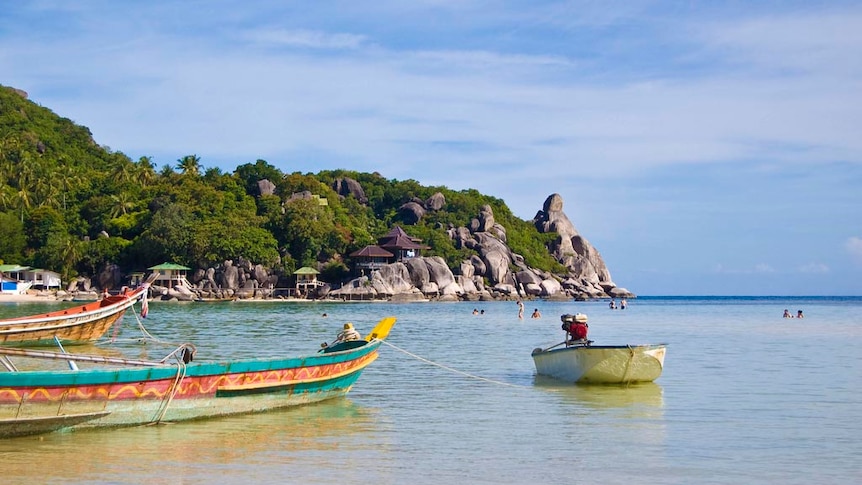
[703,148]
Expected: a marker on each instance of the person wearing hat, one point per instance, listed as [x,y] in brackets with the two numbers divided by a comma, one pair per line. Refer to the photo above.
[349,333]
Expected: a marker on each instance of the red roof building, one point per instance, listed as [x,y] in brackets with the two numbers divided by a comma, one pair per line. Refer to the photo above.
[395,246]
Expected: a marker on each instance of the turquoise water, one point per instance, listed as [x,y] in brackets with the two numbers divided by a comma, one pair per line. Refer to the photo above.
[746,397]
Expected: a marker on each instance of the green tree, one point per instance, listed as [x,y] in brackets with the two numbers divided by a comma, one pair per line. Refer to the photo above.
[12,238]
[190,165]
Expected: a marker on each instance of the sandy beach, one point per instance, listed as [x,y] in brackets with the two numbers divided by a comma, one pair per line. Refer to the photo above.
[33,298]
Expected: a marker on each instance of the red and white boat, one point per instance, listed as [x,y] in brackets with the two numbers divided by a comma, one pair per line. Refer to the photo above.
[82,323]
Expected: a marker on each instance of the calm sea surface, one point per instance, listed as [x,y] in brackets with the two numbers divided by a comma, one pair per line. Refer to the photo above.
[746,397]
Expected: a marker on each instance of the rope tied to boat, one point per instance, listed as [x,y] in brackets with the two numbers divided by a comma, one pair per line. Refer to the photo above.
[456,371]
[629,363]
[175,387]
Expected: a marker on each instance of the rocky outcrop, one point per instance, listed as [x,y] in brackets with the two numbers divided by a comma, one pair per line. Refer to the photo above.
[493,272]
[435,202]
[412,212]
[586,268]
[347,186]
[506,273]
[265,187]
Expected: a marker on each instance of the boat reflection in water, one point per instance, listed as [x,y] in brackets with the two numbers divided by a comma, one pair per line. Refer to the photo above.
[647,396]
[244,448]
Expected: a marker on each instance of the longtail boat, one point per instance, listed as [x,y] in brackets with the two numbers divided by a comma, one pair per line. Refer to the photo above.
[577,360]
[125,392]
[82,323]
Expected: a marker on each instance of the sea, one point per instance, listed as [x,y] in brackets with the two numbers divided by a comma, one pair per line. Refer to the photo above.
[746,397]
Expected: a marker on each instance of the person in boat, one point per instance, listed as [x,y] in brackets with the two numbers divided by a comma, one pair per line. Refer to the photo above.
[787,313]
[349,333]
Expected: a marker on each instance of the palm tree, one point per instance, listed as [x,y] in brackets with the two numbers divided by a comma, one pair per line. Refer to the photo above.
[123,170]
[70,253]
[190,165]
[68,179]
[145,171]
[122,204]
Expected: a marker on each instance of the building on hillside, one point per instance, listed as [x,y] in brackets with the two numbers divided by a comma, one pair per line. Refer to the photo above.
[395,246]
[401,244]
[171,275]
[370,258]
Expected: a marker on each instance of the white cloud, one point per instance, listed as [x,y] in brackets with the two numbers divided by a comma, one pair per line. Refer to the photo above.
[853,246]
[817,268]
[306,38]
[763,268]
[759,268]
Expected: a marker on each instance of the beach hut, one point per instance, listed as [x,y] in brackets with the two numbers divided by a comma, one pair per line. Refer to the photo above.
[12,281]
[306,280]
[171,275]
[42,279]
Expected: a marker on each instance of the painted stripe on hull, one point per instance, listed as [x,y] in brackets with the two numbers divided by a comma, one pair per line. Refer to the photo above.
[203,392]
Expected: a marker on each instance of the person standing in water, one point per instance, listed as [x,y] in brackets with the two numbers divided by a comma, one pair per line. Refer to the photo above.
[520,309]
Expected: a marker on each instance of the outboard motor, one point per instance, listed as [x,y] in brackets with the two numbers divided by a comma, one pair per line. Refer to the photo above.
[575,326]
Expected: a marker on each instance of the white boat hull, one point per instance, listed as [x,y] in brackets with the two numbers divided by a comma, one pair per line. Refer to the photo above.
[602,364]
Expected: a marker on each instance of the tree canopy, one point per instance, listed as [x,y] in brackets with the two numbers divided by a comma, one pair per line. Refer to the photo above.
[72,206]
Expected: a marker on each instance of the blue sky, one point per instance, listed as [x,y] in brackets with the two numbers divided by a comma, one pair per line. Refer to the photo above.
[707,148]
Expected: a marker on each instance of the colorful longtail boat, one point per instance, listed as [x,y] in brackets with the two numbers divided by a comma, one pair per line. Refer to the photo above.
[124,392]
[83,323]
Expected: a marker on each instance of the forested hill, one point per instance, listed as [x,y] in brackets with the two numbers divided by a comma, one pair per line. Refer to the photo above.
[72,206]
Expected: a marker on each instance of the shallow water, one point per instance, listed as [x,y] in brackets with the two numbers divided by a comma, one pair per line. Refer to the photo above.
[746,397]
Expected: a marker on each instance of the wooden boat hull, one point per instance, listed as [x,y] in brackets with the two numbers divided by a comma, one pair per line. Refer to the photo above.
[82,323]
[602,364]
[144,395]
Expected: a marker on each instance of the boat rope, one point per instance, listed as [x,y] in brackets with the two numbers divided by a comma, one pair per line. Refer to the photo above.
[169,396]
[472,376]
[629,363]
[146,334]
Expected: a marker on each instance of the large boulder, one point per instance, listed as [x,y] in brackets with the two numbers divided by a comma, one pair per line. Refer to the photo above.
[392,279]
[418,271]
[439,272]
[265,187]
[435,202]
[229,276]
[346,186]
[111,277]
[486,219]
[551,287]
[411,212]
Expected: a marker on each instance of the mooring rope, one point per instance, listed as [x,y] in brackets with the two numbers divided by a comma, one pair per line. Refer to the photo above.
[467,374]
[146,334]
[169,396]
